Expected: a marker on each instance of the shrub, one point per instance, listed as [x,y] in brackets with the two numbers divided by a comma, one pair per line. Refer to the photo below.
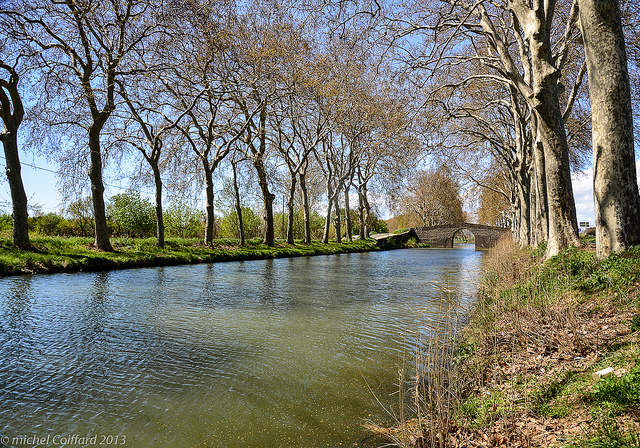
[229,227]
[614,394]
[79,215]
[132,215]
[48,224]
[184,221]
[6,223]
[615,271]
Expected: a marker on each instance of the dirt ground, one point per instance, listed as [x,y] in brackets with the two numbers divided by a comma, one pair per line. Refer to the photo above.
[542,346]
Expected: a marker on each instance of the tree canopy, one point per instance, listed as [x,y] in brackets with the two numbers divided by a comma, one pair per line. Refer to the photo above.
[321,107]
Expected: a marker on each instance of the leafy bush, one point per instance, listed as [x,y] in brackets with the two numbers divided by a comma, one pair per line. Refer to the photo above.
[617,270]
[132,215]
[49,224]
[184,221]
[79,214]
[229,227]
[379,225]
[6,223]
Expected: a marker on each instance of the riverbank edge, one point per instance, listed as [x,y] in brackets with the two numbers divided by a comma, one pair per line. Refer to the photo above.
[527,370]
[58,254]
[541,336]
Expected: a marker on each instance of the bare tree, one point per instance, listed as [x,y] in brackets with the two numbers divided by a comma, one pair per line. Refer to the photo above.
[85,45]
[430,198]
[518,45]
[152,127]
[297,122]
[266,45]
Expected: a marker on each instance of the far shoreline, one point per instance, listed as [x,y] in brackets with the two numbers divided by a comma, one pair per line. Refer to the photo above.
[50,255]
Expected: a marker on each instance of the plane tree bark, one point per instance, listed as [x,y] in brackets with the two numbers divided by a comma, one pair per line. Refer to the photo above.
[617,202]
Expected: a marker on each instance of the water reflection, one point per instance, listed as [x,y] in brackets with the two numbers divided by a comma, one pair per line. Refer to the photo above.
[257,353]
[95,311]
[17,308]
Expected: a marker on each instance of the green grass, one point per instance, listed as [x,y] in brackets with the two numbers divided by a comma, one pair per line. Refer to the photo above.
[609,434]
[612,395]
[60,254]
[606,397]
[565,292]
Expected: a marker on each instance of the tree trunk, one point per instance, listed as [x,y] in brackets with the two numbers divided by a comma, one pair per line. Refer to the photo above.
[361,233]
[337,222]
[158,203]
[307,211]
[541,212]
[367,212]
[347,214]
[563,224]
[18,196]
[290,210]
[12,114]
[268,197]
[524,198]
[617,202]
[209,219]
[97,191]
[238,205]
[327,221]
[533,206]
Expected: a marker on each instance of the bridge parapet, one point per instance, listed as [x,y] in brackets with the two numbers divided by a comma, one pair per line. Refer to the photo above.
[442,236]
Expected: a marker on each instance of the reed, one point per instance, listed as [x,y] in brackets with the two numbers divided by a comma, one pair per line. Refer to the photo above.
[521,373]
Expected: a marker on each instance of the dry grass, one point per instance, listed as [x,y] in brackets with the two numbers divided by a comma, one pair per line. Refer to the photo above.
[521,374]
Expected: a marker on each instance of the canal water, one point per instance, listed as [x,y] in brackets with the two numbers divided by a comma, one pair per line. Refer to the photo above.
[293,352]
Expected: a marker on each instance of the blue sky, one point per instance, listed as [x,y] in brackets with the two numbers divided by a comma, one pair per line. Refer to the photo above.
[40,185]
[583,194]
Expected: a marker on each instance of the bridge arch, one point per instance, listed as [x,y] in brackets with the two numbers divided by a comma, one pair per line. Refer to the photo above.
[442,236]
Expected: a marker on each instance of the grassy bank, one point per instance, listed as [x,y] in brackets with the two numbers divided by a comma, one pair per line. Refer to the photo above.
[62,254]
[522,373]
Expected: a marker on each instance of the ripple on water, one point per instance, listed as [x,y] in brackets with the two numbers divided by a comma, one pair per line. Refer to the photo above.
[249,354]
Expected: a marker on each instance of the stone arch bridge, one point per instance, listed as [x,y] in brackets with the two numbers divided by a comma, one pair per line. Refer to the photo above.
[442,236]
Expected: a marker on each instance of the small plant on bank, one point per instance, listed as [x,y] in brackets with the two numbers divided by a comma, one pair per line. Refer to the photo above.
[614,394]
[431,389]
[609,434]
